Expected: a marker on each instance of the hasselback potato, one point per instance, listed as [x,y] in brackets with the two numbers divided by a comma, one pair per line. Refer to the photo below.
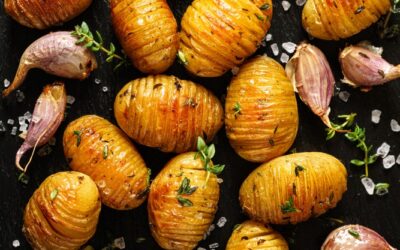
[293,188]
[218,35]
[261,117]
[147,31]
[179,221]
[336,19]
[63,212]
[167,113]
[41,14]
[94,146]
[254,235]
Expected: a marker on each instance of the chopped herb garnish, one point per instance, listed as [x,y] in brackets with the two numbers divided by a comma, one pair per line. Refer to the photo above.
[185,187]
[53,194]
[259,17]
[182,58]
[206,153]
[23,178]
[184,202]
[78,135]
[288,206]
[237,109]
[105,151]
[354,233]
[298,169]
[264,6]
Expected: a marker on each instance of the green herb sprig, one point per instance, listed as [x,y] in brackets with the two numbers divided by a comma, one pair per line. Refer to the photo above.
[342,127]
[288,206]
[185,189]
[237,109]
[78,135]
[354,233]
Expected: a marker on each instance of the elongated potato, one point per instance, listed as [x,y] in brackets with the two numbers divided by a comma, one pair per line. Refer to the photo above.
[94,146]
[261,117]
[41,14]
[147,31]
[174,222]
[63,212]
[167,113]
[218,35]
[293,188]
[254,235]
[336,19]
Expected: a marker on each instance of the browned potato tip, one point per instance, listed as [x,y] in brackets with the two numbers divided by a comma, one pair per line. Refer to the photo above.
[293,188]
[254,235]
[167,113]
[63,212]
[182,202]
[218,35]
[41,14]
[94,146]
[148,33]
[261,117]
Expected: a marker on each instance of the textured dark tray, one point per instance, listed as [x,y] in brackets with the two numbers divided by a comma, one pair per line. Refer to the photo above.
[379,213]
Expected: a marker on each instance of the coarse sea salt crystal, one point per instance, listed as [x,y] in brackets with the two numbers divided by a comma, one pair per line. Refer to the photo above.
[214,245]
[10,121]
[235,70]
[97,81]
[394,125]
[286,5]
[2,127]
[300,2]
[389,161]
[275,49]
[344,96]
[23,127]
[104,89]
[289,47]
[376,116]
[6,83]
[398,159]
[220,180]
[21,120]
[16,243]
[383,150]
[268,37]
[368,184]
[221,222]
[28,115]
[14,130]
[284,58]
[70,99]
[119,243]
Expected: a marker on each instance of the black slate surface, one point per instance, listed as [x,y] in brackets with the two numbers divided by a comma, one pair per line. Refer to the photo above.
[379,213]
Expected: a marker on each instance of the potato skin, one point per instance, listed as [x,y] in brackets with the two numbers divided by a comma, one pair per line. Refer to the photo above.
[41,14]
[314,190]
[267,123]
[167,113]
[106,154]
[336,19]
[172,225]
[148,32]
[63,212]
[218,35]
[254,235]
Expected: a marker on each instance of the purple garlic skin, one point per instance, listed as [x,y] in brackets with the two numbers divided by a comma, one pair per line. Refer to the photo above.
[355,237]
[46,118]
[58,54]
[312,78]
[365,68]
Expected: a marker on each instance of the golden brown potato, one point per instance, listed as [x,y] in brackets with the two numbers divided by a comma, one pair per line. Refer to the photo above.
[167,113]
[63,212]
[261,117]
[94,146]
[293,188]
[254,235]
[147,31]
[179,221]
[41,14]
[218,35]
[335,19]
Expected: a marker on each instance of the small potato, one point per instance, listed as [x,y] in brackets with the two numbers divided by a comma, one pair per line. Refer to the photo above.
[254,235]
[336,19]
[94,146]
[218,35]
[261,117]
[63,212]
[293,188]
[147,31]
[167,113]
[180,221]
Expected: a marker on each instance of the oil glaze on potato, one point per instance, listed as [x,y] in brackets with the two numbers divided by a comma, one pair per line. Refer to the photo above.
[293,188]
[261,117]
[94,146]
[173,225]
[41,14]
[335,19]
[218,35]
[254,235]
[167,113]
[63,212]
[147,31]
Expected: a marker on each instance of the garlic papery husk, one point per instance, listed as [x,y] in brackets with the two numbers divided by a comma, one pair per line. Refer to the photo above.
[312,78]
[47,117]
[363,67]
[57,54]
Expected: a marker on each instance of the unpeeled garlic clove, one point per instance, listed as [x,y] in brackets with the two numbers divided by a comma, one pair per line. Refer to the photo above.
[365,67]
[47,117]
[312,78]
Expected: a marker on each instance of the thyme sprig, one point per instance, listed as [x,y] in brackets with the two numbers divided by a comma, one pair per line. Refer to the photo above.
[289,206]
[342,127]
[185,189]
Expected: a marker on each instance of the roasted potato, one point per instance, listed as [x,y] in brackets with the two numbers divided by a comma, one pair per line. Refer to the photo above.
[167,113]
[63,212]
[41,14]
[261,117]
[178,220]
[254,235]
[218,35]
[147,31]
[94,146]
[293,188]
[336,19]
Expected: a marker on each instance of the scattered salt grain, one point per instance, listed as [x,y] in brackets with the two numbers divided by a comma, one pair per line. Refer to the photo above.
[398,159]
[97,81]
[220,180]
[23,127]
[2,127]
[394,125]
[20,96]
[45,150]
[383,150]
[104,89]
[6,83]
[344,96]
[284,58]
[369,185]
[388,161]
[235,70]
[16,243]
[268,37]
[10,121]
[300,2]
[14,130]
[210,229]
[376,116]
[221,222]
[28,115]
[21,120]
[289,47]
[52,141]
[119,243]
[286,5]
[275,49]
[214,245]
[70,99]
